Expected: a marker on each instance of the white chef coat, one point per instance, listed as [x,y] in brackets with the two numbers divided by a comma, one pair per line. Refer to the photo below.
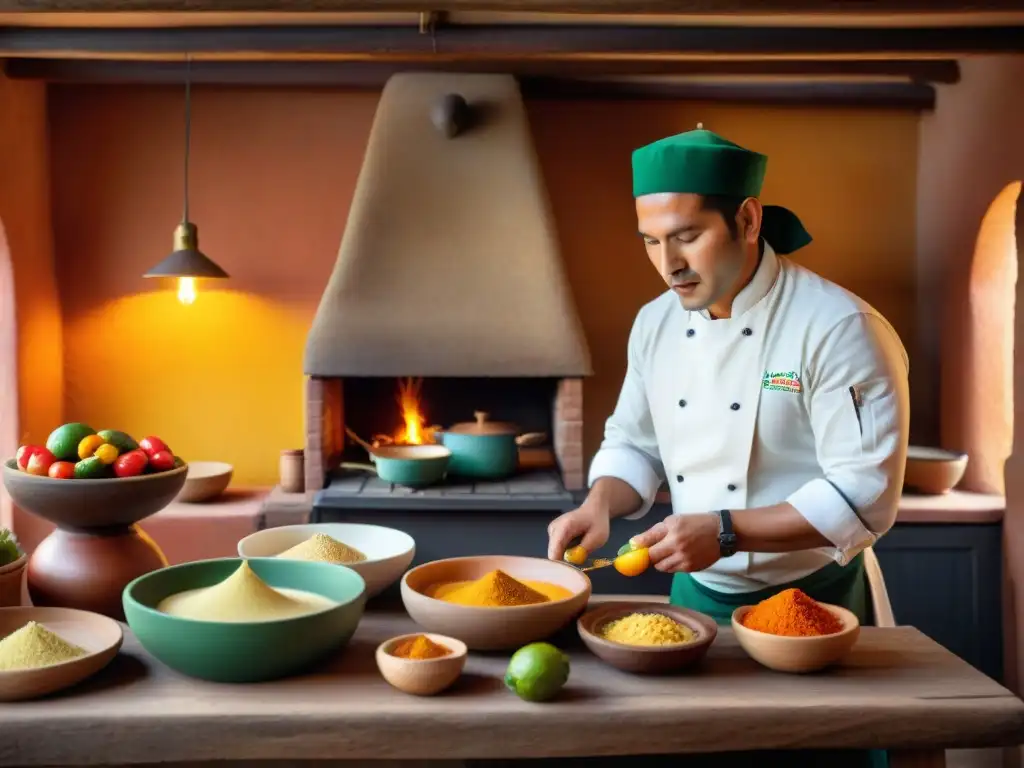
[800,396]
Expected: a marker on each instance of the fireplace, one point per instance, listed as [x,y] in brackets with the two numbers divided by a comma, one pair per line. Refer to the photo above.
[548,472]
[448,275]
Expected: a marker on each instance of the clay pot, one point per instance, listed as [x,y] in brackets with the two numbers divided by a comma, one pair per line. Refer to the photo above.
[12,577]
[293,471]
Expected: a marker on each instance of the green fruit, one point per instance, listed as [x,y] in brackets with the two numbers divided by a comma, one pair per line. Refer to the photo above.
[91,469]
[178,462]
[537,672]
[120,440]
[627,547]
[63,441]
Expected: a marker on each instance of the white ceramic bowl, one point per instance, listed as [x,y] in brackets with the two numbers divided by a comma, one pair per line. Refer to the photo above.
[388,551]
[205,480]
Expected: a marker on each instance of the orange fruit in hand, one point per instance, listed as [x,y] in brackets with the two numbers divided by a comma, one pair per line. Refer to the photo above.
[633,563]
[575,555]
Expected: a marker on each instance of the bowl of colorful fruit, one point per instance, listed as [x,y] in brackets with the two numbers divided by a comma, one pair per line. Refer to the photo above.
[82,479]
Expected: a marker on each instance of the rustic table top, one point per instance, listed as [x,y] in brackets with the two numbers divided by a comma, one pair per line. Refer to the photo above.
[898,689]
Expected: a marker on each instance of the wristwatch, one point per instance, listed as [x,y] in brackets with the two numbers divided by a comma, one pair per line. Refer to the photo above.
[726,536]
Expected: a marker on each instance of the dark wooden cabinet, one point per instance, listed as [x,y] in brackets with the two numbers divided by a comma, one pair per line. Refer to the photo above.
[946,580]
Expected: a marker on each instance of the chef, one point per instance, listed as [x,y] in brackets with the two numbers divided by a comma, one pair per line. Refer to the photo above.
[772,402]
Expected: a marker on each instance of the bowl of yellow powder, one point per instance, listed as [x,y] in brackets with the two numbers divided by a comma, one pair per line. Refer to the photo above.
[379,554]
[495,602]
[44,650]
[235,620]
[645,637]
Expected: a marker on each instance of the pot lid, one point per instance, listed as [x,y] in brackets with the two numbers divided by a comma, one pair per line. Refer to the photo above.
[484,427]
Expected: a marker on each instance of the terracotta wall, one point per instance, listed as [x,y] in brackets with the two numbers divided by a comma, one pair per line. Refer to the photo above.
[273,173]
[972,149]
[26,253]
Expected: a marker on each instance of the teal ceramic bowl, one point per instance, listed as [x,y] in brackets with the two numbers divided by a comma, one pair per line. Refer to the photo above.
[245,652]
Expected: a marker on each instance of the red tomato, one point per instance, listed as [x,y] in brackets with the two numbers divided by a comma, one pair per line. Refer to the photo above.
[151,445]
[162,461]
[25,453]
[130,464]
[62,470]
[39,462]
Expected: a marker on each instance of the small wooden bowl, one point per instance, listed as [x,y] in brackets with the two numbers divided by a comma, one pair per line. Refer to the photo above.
[649,659]
[797,654]
[99,636]
[205,480]
[933,471]
[422,677]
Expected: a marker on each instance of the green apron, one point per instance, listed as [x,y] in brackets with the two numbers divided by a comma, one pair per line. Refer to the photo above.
[836,584]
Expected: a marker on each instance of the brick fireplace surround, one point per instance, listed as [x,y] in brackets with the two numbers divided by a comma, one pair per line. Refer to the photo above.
[325,434]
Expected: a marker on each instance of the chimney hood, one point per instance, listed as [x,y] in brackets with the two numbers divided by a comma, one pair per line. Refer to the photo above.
[449,264]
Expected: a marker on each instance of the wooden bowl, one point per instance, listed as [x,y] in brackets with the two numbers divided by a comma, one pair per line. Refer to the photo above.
[205,480]
[798,654]
[99,636]
[642,659]
[933,471]
[487,629]
[82,505]
[388,551]
[422,677]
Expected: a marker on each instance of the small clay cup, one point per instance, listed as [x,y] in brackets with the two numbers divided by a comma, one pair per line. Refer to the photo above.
[647,659]
[12,577]
[422,677]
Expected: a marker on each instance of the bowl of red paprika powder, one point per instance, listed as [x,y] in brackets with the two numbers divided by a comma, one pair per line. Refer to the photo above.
[791,632]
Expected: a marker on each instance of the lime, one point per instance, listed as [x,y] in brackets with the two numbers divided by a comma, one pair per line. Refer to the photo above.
[63,441]
[120,440]
[90,469]
[536,672]
[627,547]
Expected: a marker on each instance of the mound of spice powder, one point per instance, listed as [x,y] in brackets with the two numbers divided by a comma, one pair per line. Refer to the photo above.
[35,646]
[647,629]
[791,613]
[420,647]
[495,589]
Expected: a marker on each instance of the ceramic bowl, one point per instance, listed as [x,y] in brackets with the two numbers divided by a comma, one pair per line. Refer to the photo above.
[646,659]
[245,652]
[388,551]
[97,635]
[205,480]
[422,677]
[487,629]
[933,471]
[798,654]
[86,504]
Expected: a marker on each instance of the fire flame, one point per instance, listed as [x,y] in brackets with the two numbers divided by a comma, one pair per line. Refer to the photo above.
[412,431]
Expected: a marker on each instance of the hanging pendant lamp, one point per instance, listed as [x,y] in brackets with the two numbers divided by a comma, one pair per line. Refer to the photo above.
[186,261]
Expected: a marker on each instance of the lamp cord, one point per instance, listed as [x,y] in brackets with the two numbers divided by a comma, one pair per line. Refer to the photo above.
[188,125]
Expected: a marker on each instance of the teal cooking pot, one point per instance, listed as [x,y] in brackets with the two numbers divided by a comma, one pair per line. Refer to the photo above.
[487,450]
[414,466]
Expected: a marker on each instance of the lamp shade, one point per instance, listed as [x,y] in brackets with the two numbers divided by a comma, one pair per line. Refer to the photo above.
[186,260]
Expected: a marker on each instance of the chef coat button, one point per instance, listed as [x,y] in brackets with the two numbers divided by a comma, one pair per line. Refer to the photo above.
[747,332]
[731,487]
[690,332]
[679,478]
[682,403]
[735,406]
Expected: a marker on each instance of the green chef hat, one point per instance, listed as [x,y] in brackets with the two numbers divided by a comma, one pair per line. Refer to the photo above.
[703,163]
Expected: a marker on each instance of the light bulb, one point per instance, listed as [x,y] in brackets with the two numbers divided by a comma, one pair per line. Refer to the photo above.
[186,290]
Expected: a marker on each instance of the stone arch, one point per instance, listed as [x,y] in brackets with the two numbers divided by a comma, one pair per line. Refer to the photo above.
[979,420]
[8,370]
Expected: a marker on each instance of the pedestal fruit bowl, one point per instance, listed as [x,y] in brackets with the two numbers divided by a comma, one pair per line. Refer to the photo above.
[97,548]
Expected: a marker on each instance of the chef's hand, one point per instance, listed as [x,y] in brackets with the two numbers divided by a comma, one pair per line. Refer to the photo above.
[684,543]
[591,521]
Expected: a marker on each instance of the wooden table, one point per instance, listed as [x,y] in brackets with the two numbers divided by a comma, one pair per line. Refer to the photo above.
[897,690]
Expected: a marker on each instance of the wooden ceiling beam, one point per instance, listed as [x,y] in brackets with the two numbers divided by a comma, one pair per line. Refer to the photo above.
[375,74]
[894,95]
[695,8]
[505,41]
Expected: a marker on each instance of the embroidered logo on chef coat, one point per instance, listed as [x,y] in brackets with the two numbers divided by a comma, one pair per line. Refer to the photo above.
[782,381]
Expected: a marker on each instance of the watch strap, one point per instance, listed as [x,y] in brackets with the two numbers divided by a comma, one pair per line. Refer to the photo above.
[726,534]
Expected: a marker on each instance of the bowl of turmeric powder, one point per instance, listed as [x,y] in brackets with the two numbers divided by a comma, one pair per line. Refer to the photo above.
[495,602]
[645,637]
[792,632]
[421,664]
